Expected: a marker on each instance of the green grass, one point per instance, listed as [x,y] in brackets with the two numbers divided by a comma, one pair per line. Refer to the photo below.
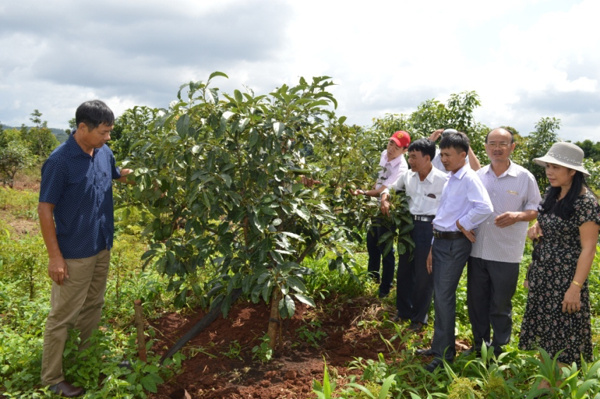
[24,304]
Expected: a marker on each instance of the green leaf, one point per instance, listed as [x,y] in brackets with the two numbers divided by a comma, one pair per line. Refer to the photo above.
[385,237]
[253,138]
[405,229]
[217,73]
[278,128]
[292,235]
[149,384]
[238,96]
[388,247]
[401,248]
[585,386]
[263,277]
[302,213]
[304,299]
[183,126]
[296,283]
[361,388]
[227,179]
[266,291]
[387,383]
[326,385]
[290,306]
[226,115]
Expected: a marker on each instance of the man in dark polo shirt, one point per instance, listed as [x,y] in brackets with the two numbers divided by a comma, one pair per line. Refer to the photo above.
[76,217]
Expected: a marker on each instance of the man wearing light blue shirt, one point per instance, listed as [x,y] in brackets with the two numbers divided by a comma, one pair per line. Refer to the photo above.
[464,205]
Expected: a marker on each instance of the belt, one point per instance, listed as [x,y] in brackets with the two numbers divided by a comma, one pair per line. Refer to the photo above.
[448,235]
[423,218]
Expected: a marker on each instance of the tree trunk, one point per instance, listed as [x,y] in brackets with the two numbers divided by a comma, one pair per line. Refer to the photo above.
[274,320]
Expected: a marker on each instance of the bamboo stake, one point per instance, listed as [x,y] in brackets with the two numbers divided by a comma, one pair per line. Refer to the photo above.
[139,325]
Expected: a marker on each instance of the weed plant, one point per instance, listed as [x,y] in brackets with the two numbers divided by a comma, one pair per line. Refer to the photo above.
[24,305]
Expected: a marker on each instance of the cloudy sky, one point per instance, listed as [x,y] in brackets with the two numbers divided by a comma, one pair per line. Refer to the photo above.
[526,58]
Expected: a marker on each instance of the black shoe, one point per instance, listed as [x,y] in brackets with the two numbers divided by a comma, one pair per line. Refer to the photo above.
[126,364]
[425,352]
[415,326]
[472,350]
[435,363]
[398,319]
[67,390]
[382,295]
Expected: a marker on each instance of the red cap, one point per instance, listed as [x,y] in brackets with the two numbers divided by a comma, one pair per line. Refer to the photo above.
[401,138]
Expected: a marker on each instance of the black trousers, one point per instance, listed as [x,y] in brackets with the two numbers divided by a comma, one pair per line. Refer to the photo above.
[490,288]
[414,286]
[376,258]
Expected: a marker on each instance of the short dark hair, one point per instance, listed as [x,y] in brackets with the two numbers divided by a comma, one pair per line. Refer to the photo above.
[94,113]
[459,141]
[425,146]
[512,134]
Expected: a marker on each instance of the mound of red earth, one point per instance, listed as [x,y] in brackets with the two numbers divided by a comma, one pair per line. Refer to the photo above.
[214,369]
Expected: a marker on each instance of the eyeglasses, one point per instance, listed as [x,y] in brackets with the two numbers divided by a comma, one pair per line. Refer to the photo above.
[502,144]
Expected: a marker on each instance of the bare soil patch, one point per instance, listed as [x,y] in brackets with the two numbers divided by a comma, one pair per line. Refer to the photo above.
[294,367]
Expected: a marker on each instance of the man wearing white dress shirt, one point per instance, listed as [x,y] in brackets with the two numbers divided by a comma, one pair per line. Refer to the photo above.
[464,205]
[493,268]
[471,159]
[423,185]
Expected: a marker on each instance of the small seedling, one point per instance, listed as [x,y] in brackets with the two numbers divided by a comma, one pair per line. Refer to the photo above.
[262,352]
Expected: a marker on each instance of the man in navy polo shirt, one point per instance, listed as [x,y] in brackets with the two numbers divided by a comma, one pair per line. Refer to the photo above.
[76,217]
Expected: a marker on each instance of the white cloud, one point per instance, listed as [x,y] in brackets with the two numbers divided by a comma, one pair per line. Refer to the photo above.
[525,58]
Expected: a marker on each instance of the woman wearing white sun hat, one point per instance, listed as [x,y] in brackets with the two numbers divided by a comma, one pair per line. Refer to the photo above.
[557,316]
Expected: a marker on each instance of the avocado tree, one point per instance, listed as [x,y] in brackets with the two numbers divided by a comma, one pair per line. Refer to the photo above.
[220,175]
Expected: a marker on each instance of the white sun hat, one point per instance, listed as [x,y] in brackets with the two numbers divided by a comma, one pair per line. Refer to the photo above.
[564,154]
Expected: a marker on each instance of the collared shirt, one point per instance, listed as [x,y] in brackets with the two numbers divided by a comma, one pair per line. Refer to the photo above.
[80,187]
[423,196]
[515,190]
[437,161]
[464,199]
[390,170]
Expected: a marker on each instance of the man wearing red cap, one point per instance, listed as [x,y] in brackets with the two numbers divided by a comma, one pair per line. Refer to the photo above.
[393,165]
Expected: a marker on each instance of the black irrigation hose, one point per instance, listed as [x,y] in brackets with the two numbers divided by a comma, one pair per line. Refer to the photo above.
[200,325]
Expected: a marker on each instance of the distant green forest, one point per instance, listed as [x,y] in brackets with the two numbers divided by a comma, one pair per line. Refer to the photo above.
[60,134]
[591,149]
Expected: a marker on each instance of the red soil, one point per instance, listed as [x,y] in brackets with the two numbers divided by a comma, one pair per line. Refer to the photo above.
[291,372]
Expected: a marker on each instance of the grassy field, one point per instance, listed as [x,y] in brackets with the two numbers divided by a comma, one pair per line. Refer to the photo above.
[24,293]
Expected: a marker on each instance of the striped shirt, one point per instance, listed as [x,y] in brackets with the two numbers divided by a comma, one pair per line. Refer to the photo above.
[514,191]
[390,170]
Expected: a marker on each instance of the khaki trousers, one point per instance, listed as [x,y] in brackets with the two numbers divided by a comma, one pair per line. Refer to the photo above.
[77,303]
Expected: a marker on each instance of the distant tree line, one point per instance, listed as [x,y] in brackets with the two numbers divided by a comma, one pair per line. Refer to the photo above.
[24,147]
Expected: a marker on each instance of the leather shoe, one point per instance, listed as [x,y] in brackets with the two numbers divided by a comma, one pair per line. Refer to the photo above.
[125,364]
[470,351]
[435,363]
[400,319]
[425,352]
[67,390]
[415,326]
